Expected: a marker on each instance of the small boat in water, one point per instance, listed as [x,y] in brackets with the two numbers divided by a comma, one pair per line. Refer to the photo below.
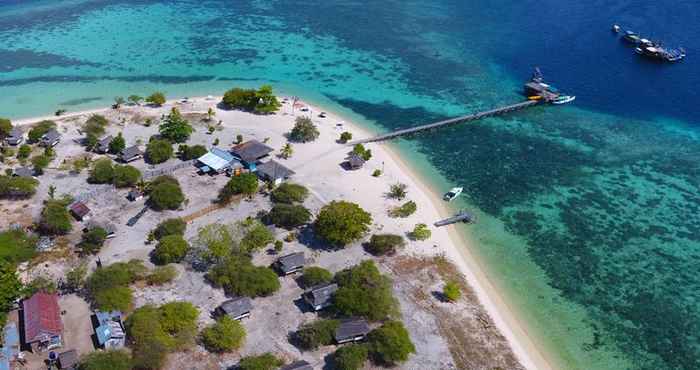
[452,194]
[616,28]
[564,99]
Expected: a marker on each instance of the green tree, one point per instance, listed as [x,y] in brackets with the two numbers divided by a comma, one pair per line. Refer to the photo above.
[17,187]
[226,335]
[17,246]
[238,98]
[75,277]
[256,237]
[364,291]
[390,344]
[175,127]
[289,193]
[286,151]
[315,275]
[102,172]
[383,244]
[403,210]
[397,191]
[158,151]
[162,275]
[289,216]
[24,151]
[420,232]
[40,162]
[157,98]
[118,102]
[451,291]
[266,101]
[187,153]
[170,249]
[5,128]
[126,176]
[317,333]
[210,114]
[304,131]
[119,298]
[351,357]
[106,360]
[245,184]
[341,223]
[93,240]
[363,152]
[238,276]
[108,287]
[10,287]
[117,144]
[345,137]
[165,193]
[39,129]
[171,226]
[135,99]
[266,361]
[55,219]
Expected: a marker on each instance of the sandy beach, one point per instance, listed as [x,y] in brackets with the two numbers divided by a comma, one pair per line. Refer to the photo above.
[318,167]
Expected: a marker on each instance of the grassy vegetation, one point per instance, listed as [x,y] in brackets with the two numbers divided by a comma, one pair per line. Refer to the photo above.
[17,246]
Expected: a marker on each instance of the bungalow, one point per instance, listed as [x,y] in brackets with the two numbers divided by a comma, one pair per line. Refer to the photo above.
[251,152]
[110,331]
[43,328]
[68,360]
[217,161]
[352,330]
[237,308]
[79,211]
[355,161]
[290,263]
[319,296]
[23,172]
[298,365]
[16,137]
[134,195]
[51,138]
[103,144]
[130,154]
[274,172]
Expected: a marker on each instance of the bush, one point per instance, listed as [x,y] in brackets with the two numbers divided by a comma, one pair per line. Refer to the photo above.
[363,152]
[170,249]
[165,193]
[162,275]
[289,193]
[102,172]
[350,357]
[420,232]
[341,222]
[345,137]
[363,291]
[451,291]
[238,276]
[256,237]
[75,277]
[383,244]
[94,127]
[117,144]
[93,240]
[106,360]
[266,361]
[108,287]
[17,246]
[397,191]
[157,98]
[390,344]
[225,335]
[24,151]
[158,151]
[17,187]
[171,226]
[261,101]
[39,129]
[304,131]
[118,298]
[10,287]
[55,219]
[317,333]
[376,173]
[246,184]
[314,276]
[5,128]
[126,176]
[175,127]
[40,162]
[187,153]
[289,216]
[404,210]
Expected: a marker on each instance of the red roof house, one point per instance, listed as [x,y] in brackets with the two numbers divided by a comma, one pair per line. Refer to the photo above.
[42,322]
[80,211]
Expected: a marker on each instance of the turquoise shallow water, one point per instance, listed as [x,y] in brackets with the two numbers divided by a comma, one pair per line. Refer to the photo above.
[588,213]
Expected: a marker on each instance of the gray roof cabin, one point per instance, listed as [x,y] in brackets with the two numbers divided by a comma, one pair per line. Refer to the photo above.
[251,151]
[16,136]
[290,263]
[273,171]
[68,360]
[51,138]
[103,145]
[130,154]
[23,172]
[351,330]
[320,296]
[355,161]
[298,365]
[237,308]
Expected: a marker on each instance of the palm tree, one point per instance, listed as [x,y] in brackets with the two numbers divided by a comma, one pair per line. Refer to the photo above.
[210,114]
[118,101]
[286,151]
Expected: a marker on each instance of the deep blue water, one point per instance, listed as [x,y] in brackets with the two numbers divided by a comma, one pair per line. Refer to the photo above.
[590,210]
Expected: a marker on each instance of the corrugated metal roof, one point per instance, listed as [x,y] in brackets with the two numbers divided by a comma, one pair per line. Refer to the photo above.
[41,316]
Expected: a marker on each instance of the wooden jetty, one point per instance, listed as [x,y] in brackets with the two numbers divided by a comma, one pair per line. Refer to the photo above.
[449,122]
[462,216]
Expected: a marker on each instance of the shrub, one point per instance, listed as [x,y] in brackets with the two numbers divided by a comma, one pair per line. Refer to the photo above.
[350,357]
[278,246]
[102,172]
[266,361]
[246,184]
[383,244]
[11,287]
[158,151]
[345,137]
[420,232]
[238,276]
[40,162]
[256,237]
[289,216]
[175,127]
[341,222]
[403,210]
[126,176]
[5,128]
[451,291]
[75,277]
[106,360]
[363,152]
[55,219]
[317,333]
[289,193]
[187,153]
[397,191]
[94,127]
[17,246]
[390,344]
[24,151]
[315,275]
[108,287]
[157,98]
[162,275]
[304,131]
[117,144]
[39,129]
[376,173]
[165,193]
[364,291]
[225,335]
[170,249]
[93,240]
[171,226]
[135,99]
[118,298]
[17,187]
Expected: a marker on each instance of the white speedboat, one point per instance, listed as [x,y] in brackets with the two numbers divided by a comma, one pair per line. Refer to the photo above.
[563,99]
[452,194]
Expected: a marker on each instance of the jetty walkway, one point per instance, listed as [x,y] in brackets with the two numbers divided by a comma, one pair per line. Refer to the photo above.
[448,122]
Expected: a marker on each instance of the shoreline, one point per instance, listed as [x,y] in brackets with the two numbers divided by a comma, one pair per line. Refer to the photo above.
[506,320]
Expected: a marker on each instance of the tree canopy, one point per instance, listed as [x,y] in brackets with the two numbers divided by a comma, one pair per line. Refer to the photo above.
[390,344]
[93,128]
[117,144]
[106,360]
[261,101]
[420,232]
[17,246]
[238,276]
[5,128]
[350,357]
[383,244]
[39,129]
[364,291]
[225,335]
[40,162]
[266,361]
[341,222]
[158,151]
[289,193]
[157,98]
[170,249]
[451,291]
[55,219]
[304,131]
[102,172]
[315,275]
[165,193]
[316,333]
[93,240]
[175,127]
[108,287]
[186,152]
[10,287]
[126,176]
[289,216]
[17,187]
[244,184]
[171,226]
